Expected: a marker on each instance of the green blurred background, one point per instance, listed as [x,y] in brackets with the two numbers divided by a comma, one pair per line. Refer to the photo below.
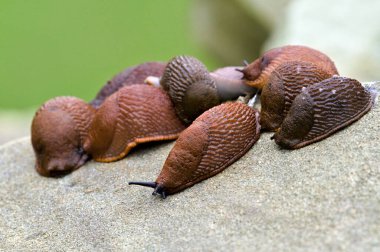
[51,48]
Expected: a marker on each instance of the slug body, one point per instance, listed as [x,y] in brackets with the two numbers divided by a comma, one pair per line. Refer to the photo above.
[132,75]
[134,114]
[59,129]
[322,109]
[284,84]
[257,73]
[194,90]
[216,139]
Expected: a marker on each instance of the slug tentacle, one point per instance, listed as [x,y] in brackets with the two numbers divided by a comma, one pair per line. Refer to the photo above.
[322,109]
[133,115]
[216,139]
[257,73]
[132,75]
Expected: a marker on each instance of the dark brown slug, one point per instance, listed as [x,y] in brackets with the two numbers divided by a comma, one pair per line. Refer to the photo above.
[132,75]
[216,139]
[322,109]
[194,90]
[58,131]
[133,115]
[284,84]
[257,73]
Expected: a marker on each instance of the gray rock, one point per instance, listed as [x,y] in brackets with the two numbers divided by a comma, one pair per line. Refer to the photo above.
[325,196]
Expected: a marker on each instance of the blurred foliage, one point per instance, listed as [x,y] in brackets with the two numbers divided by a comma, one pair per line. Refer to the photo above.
[51,48]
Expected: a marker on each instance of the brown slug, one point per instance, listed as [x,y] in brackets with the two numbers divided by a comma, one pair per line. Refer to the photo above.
[284,84]
[58,131]
[194,90]
[257,73]
[215,140]
[133,115]
[132,75]
[322,109]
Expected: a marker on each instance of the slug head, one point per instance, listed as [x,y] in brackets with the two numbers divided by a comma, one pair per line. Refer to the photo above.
[257,71]
[56,144]
[253,70]
[56,140]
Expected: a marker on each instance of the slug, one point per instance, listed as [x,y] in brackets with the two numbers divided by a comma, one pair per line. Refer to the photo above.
[133,115]
[194,90]
[284,84]
[216,139]
[257,73]
[132,75]
[58,131]
[322,109]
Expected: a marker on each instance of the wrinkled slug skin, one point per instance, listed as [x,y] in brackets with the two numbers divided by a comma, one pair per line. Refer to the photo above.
[134,114]
[284,84]
[132,75]
[322,109]
[58,131]
[257,73]
[216,139]
[190,87]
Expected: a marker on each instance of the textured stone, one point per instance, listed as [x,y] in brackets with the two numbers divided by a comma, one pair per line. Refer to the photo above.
[325,196]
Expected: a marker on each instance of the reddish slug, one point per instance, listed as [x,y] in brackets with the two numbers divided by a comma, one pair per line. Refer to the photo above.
[134,114]
[215,140]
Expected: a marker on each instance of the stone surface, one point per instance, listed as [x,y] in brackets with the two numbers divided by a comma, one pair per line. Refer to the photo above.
[325,196]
